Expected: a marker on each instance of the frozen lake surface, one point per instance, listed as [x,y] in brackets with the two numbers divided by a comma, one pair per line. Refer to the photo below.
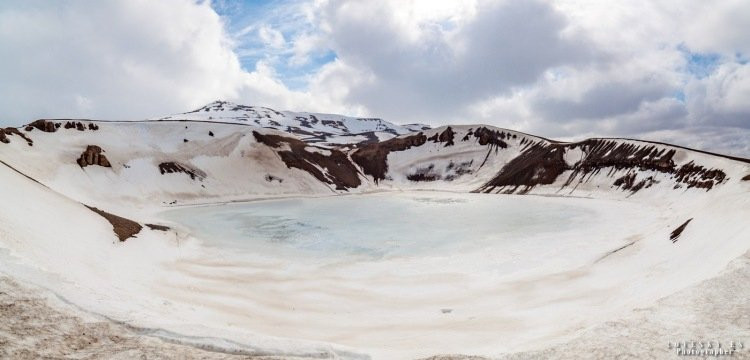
[380,226]
[409,274]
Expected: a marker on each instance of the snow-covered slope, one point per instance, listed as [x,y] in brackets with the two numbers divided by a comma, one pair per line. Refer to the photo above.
[311,127]
[169,161]
[676,204]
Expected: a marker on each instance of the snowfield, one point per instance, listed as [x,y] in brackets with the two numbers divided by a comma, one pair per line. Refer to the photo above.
[457,240]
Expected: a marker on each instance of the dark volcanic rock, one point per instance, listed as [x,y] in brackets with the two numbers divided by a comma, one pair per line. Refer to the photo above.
[124,228]
[175,167]
[79,126]
[491,137]
[626,181]
[540,164]
[13,131]
[340,172]
[444,137]
[675,235]
[621,155]
[698,176]
[93,156]
[43,125]
[372,158]
[158,227]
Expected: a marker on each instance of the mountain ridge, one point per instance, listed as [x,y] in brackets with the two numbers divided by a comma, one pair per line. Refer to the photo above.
[464,157]
[94,194]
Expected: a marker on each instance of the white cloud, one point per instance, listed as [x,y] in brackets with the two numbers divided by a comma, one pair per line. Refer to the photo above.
[721,98]
[560,69]
[272,37]
[123,60]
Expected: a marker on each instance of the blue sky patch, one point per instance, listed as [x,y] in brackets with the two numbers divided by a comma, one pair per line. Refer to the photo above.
[698,64]
[245,19]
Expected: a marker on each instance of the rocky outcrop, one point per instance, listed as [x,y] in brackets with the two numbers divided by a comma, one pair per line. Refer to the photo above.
[618,155]
[540,164]
[746,178]
[494,138]
[543,162]
[123,228]
[4,133]
[93,156]
[372,158]
[43,125]
[330,166]
[444,137]
[77,125]
[171,167]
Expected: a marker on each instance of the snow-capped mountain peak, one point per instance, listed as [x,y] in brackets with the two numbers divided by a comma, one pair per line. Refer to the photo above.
[311,127]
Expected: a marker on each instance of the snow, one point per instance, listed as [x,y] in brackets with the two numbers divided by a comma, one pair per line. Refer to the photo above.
[546,283]
[331,126]
[303,270]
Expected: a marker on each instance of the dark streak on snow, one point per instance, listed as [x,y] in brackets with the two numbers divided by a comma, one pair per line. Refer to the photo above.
[614,251]
[675,235]
[175,167]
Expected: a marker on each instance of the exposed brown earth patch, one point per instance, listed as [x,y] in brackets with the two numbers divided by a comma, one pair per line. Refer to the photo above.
[171,167]
[746,178]
[334,169]
[124,228]
[9,131]
[675,235]
[372,158]
[540,164]
[93,156]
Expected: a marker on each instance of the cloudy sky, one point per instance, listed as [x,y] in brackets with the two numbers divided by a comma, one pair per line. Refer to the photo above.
[671,70]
